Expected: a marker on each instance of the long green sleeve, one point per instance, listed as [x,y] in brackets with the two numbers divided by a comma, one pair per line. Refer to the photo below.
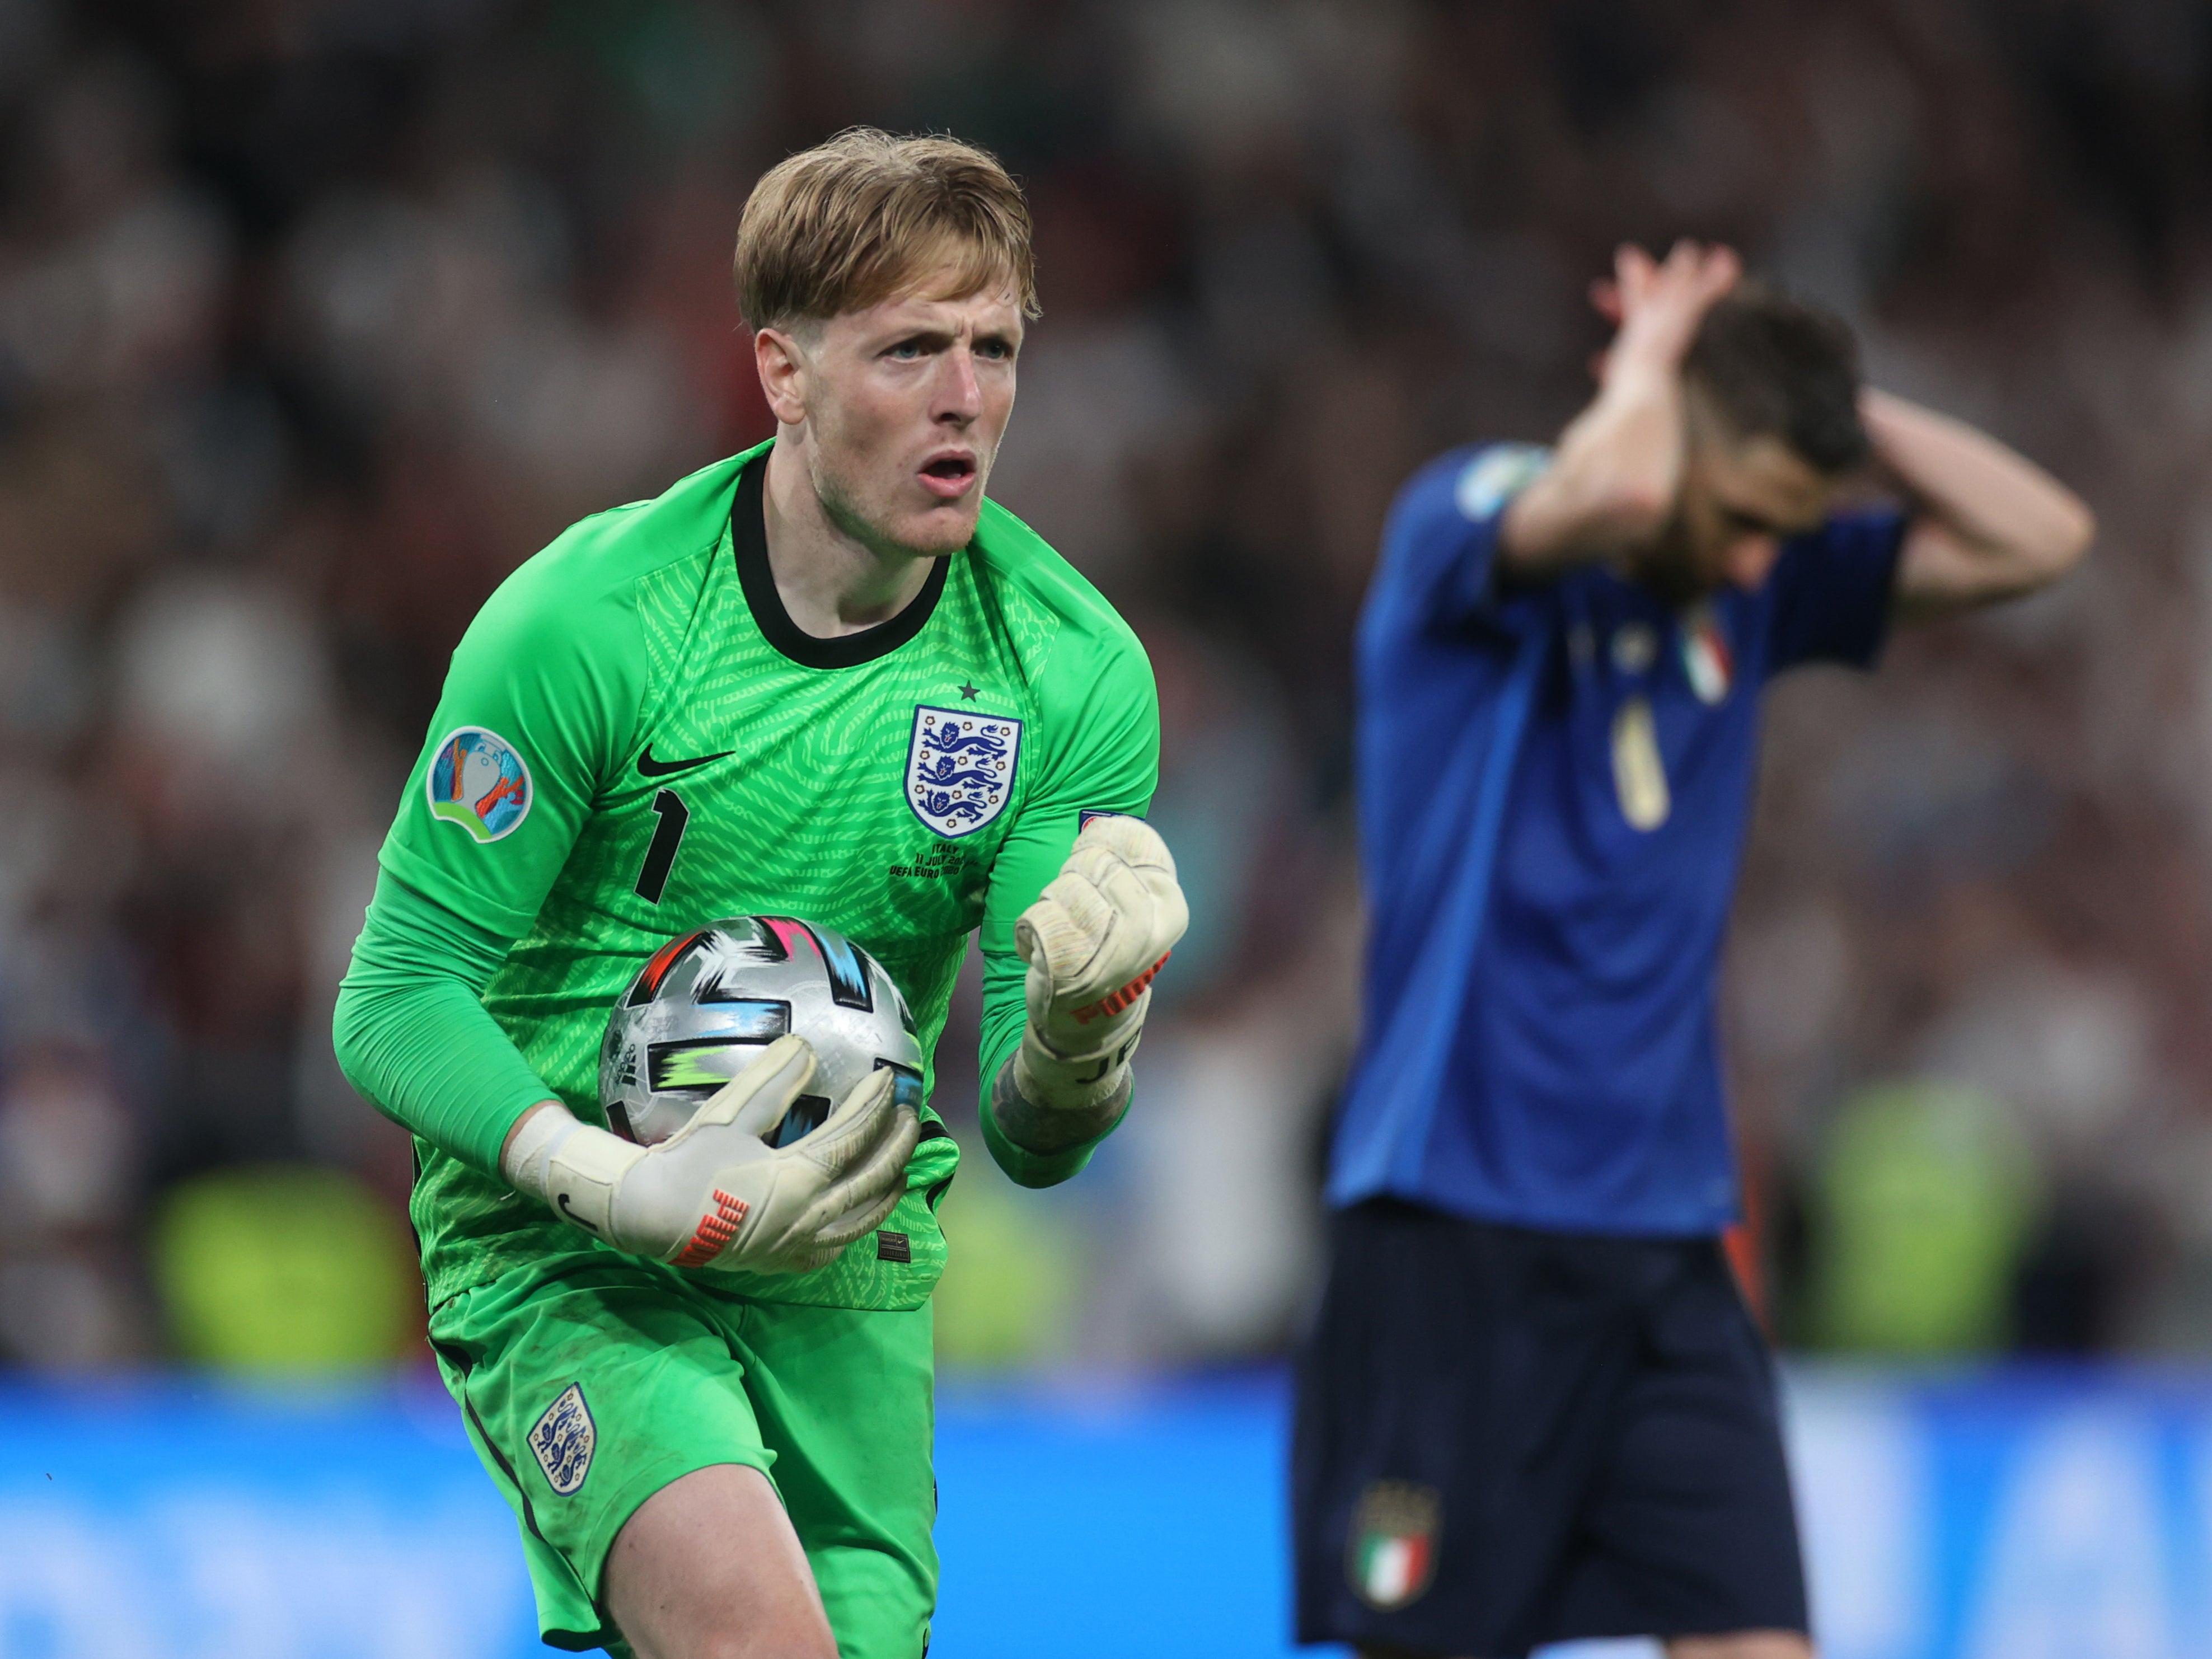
[412,1034]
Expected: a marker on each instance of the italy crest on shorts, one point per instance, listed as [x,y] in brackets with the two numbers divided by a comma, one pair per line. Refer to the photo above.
[1393,1554]
[562,1440]
[478,780]
[960,768]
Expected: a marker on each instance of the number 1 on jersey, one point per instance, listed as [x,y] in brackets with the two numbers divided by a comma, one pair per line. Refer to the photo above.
[660,856]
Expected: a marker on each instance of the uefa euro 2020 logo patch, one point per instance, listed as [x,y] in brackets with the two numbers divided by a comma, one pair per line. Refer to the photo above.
[478,782]
[563,1440]
[1393,1553]
[1494,477]
[960,768]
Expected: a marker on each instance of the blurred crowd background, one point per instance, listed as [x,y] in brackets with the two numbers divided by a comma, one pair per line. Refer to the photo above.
[318,316]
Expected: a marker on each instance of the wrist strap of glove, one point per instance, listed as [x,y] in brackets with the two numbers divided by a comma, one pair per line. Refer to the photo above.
[572,1167]
[1045,1131]
[523,1162]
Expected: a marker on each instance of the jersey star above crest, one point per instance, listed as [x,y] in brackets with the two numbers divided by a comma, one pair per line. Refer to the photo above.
[967,692]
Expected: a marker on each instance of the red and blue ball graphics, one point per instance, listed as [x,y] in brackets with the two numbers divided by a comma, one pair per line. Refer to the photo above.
[706,1003]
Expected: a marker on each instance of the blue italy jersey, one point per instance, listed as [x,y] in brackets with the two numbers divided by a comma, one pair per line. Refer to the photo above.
[1553,786]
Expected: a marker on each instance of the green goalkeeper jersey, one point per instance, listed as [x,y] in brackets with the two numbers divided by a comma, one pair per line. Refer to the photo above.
[636,739]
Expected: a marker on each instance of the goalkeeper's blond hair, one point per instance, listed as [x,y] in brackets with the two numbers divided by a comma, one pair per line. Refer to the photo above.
[865,216]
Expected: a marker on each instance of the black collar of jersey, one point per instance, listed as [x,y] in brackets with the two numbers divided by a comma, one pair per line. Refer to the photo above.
[748,535]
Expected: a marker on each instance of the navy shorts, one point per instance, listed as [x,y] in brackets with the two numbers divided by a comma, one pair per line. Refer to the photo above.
[1506,1437]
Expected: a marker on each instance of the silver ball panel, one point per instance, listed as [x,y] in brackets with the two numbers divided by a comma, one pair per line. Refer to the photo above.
[705,1006]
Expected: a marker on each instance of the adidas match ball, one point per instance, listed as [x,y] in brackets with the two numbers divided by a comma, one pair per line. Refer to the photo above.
[706,1003]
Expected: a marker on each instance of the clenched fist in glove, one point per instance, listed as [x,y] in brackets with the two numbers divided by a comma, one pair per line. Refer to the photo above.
[715,1193]
[1093,940]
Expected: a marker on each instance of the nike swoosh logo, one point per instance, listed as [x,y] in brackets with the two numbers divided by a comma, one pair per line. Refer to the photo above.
[561,1202]
[653,768]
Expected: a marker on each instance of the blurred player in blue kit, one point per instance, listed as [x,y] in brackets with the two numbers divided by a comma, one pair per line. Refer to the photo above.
[1534,1406]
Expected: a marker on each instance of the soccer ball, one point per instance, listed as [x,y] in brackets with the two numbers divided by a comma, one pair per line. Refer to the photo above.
[706,1003]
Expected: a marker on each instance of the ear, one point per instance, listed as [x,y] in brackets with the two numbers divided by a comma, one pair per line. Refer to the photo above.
[783,374]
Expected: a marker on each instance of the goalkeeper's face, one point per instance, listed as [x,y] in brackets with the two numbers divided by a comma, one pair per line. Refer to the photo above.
[899,409]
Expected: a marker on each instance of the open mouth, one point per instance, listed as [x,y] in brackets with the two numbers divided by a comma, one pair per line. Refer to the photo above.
[949,476]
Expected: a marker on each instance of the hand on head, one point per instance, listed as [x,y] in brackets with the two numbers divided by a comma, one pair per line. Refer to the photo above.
[1657,304]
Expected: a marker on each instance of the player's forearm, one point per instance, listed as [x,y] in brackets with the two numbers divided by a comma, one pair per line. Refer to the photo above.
[1038,1157]
[1048,1106]
[1048,1131]
[1037,1150]
[411,1034]
[427,1055]
[1610,483]
[2005,526]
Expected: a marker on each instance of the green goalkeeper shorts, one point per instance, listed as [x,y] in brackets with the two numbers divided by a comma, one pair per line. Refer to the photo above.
[589,1382]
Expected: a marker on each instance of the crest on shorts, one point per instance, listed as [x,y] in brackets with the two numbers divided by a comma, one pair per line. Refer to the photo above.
[563,1440]
[960,768]
[1393,1556]
[478,780]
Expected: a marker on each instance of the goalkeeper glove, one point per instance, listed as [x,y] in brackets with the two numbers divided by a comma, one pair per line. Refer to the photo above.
[714,1193]
[1093,940]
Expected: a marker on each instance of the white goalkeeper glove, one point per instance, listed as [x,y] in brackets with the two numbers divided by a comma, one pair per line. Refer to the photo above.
[715,1193]
[1093,940]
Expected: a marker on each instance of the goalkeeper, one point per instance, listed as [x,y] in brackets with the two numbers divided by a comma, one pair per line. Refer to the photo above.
[824,679]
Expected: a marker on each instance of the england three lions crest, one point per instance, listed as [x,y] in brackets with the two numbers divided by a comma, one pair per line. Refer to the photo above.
[563,1440]
[960,768]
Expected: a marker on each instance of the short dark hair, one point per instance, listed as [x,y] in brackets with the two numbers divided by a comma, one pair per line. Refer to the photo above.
[1774,366]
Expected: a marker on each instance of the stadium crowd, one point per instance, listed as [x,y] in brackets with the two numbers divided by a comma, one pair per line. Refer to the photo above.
[318,316]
